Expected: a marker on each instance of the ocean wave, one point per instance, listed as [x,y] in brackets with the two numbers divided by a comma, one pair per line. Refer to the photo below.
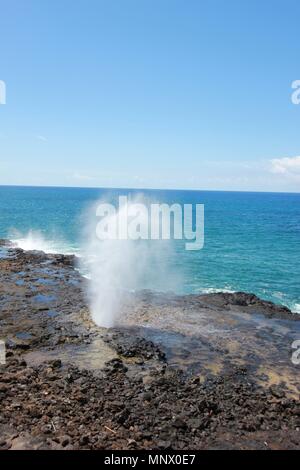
[34,240]
[214,290]
[296,308]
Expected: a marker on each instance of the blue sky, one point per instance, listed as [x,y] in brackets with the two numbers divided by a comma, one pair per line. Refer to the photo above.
[150,93]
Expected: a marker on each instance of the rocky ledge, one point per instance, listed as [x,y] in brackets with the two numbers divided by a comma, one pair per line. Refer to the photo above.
[192,372]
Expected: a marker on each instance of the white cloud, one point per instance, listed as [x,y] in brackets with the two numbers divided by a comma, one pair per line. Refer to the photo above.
[287,166]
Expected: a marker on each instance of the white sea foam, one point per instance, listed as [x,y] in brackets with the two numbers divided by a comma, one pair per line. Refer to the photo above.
[214,290]
[296,308]
[35,240]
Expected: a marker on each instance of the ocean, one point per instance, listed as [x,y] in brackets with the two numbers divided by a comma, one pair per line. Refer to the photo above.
[252,240]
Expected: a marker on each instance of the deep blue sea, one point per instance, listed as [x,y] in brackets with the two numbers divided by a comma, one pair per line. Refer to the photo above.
[252,240]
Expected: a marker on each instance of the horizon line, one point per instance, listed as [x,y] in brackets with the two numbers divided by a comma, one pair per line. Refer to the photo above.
[145,189]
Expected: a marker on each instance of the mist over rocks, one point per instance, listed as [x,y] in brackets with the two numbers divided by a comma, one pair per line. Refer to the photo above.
[153,381]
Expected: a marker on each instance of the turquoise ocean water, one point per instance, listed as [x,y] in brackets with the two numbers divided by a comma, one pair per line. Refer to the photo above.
[252,240]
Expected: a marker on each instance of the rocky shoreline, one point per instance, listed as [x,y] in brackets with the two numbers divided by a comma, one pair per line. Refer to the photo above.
[191,372]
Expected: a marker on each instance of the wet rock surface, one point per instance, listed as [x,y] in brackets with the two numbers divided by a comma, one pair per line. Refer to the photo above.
[207,335]
[68,384]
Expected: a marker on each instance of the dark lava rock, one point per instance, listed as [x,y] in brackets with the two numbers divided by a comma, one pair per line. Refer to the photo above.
[184,416]
[249,303]
[137,401]
[129,344]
